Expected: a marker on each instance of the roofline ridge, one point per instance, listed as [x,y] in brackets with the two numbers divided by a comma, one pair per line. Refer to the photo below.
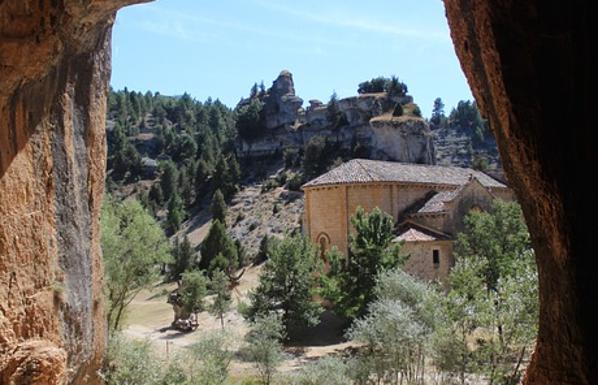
[358,161]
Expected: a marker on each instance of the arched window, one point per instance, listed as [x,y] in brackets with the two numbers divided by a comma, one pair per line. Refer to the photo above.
[323,241]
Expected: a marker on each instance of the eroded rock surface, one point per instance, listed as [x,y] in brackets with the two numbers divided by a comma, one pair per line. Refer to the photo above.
[54,72]
[517,57]
[367,122]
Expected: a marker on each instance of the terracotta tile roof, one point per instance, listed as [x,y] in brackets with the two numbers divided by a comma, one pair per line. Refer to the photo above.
[436,203]
[366,171]
[415,233]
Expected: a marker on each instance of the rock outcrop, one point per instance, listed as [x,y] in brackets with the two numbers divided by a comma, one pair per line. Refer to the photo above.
[517,56]
[281,105]
[54,72]
[289,126]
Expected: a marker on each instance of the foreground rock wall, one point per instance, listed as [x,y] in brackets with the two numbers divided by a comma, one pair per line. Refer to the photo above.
[54,72]
[517,56]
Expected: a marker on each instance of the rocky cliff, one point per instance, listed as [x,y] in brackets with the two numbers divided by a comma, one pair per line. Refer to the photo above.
[55,66]
[367,123]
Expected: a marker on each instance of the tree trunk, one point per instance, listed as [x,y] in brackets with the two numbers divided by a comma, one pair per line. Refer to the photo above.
[530,66]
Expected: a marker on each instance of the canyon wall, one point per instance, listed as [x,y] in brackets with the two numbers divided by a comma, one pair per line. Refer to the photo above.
[518,56]
[54,73]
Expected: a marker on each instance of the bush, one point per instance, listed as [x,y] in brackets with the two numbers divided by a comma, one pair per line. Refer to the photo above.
[398,110]
[131,362]
[325,371]
[264,345]
[295,182]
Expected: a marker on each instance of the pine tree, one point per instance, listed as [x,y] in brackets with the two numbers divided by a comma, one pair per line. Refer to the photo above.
[438,119]
[218,242]
[184,255]
[193,290]
[288,283]
[176,213]
[202,174]
[222,300]
[169,180]
[218,207]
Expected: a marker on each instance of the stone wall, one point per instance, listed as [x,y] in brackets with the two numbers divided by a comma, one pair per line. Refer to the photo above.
[420,262]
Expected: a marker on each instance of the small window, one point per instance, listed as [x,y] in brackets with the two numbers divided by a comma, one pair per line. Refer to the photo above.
[436,257]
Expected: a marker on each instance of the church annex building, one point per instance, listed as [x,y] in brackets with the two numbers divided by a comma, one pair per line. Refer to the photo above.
[427,202]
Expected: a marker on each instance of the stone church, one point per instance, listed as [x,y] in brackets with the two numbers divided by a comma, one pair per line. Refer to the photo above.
[427,202]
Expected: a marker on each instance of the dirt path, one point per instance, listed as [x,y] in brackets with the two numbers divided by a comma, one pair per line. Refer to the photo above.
[149,318]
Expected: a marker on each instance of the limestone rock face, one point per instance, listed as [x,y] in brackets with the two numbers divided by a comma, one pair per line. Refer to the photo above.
[54,72]
[407,139]
[517,56]
[281,105]
[404,139]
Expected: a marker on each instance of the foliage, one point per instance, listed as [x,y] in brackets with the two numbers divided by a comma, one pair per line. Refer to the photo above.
[191,135]
[168,180]
[438,118]
[131,362]
[250,124]
[495,279]
[416,111]
[218,207]
[133,247]
[398,110]
[264,345]
[263,251]
[467,119]
[184,255]
[288,283]
[371,252]
[220,286]
[396,328]
[176,213]
[319,153]
[382,84]
[193,290]
[218,242]
[333,113]
[211,359]
[226,176]
[326,371]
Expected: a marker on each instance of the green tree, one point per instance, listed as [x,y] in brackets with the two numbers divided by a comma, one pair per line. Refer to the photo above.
[394,87]
[495,278]
[218,207]
[223,178]
[131,362]
[288,284]
[168,179]
[438,118]
[134,247]
[395,331]
[218,242]
[202,174]
[184,256]
[250,124]
[370,252]
[315,156]
[220,286]
[210,360]
[176,212]
[265,346]
[194,287]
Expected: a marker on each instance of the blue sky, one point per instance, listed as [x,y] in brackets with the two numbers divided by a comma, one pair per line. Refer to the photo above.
[219,48]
